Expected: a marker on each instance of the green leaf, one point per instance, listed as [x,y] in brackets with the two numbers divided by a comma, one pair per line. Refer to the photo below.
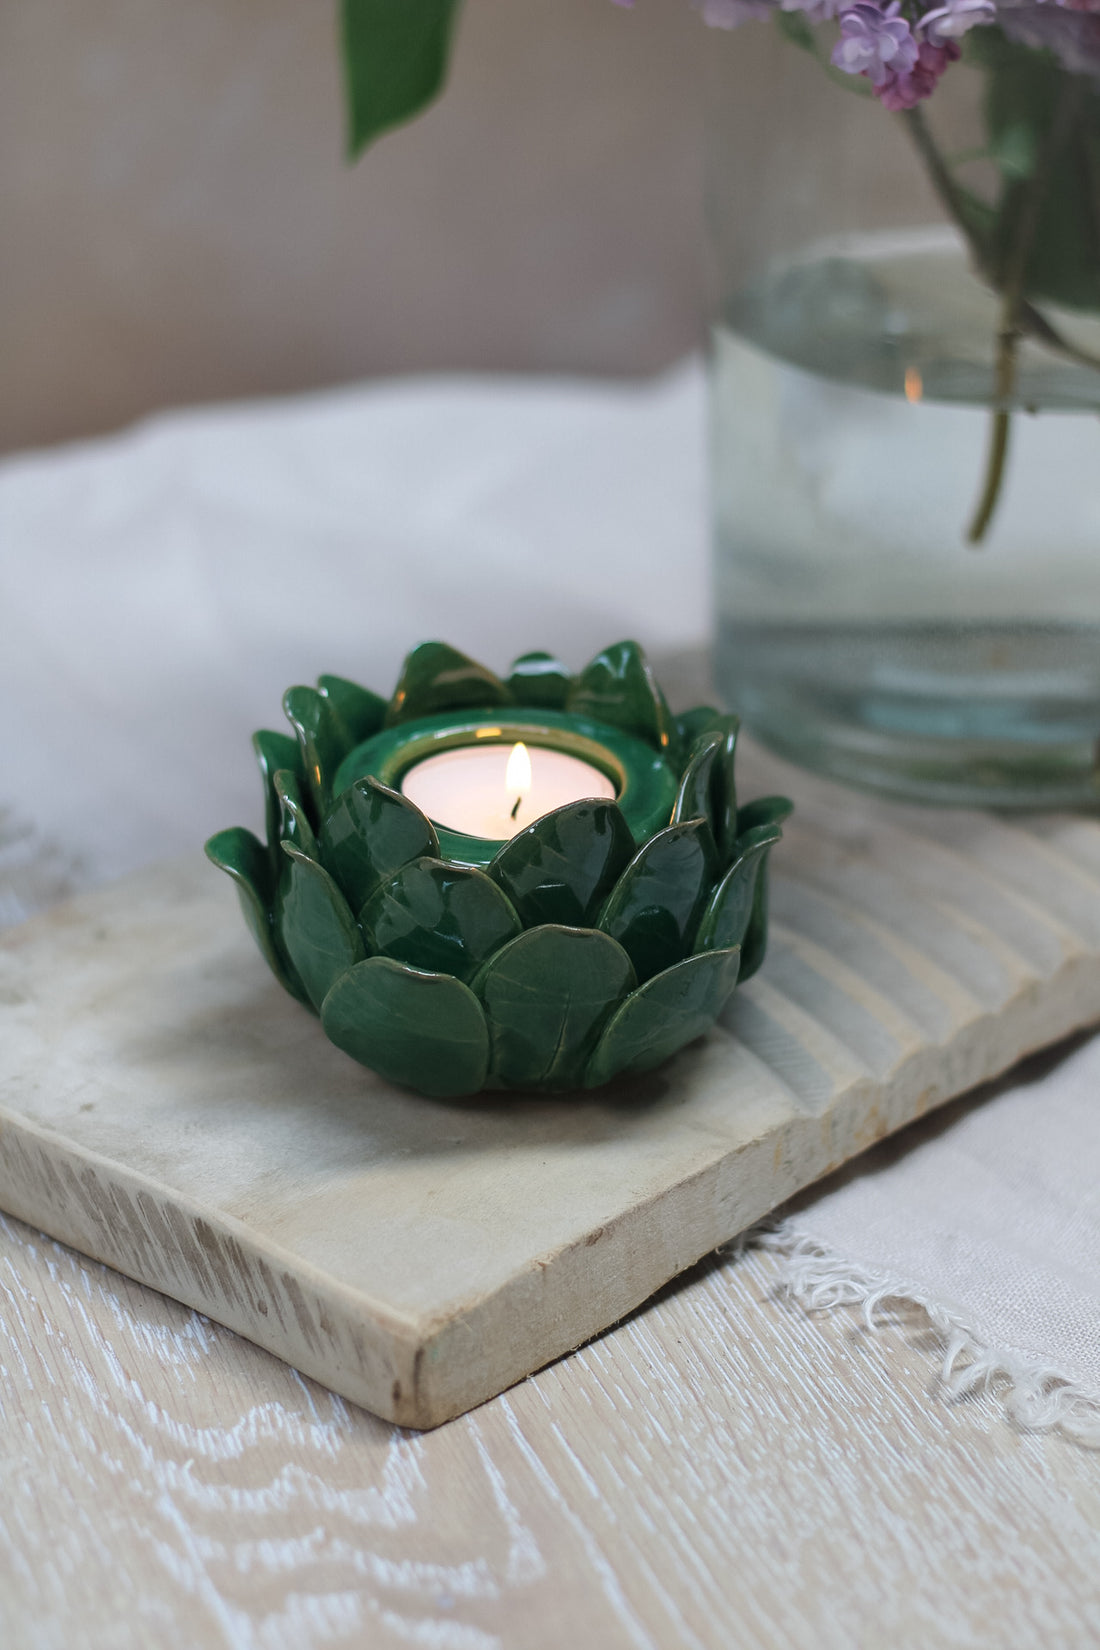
[1025,89]
[369,833]
[547,997]
[561,868]
[448,919]
[794,27]
[238,852]
[315,925]
[657,902]
[668,1011]
[395,61]
[426,1031]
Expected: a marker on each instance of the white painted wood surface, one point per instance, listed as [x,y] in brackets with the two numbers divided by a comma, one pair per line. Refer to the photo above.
[718,1473]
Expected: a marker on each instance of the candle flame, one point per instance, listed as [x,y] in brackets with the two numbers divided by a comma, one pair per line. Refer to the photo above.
[517,775]
[914,384]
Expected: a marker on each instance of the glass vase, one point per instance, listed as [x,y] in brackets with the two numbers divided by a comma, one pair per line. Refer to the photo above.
[905,400]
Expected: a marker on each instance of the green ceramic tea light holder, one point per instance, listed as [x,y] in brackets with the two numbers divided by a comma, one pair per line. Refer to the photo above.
[580,943]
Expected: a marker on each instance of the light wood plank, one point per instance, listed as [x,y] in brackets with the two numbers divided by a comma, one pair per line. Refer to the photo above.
[719,1473]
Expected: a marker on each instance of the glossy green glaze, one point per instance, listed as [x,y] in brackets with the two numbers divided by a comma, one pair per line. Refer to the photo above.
[274,752]
[539,679]
[436,677]
[561,868]
[447,919]
[547,997]
[619,688]
[699,719]
[426,1031]
[645,783]
[725,920]
[450,963]
[248,862]
[654,907]
[666,1012]
[321,936]
[357,710]
[763,810]
[319,743]
[294,825]
[755,942]
[369,833]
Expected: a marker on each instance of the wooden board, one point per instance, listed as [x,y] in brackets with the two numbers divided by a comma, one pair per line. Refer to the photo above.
[165,1108]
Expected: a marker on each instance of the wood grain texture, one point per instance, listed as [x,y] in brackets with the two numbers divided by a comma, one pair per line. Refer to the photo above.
[165,1109]
[720,1473]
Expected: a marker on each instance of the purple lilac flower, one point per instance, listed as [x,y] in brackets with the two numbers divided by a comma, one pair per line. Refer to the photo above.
[904,91]
[952,20]
[874,42]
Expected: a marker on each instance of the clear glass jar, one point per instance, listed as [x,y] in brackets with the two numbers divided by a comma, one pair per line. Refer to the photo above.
[864,628]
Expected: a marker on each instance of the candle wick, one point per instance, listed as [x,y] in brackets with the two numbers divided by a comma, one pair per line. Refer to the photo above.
[515,810]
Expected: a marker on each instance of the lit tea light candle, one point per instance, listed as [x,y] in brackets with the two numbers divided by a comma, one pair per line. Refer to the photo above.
[494,791]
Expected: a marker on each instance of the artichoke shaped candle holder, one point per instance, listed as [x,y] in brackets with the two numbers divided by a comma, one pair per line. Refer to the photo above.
[595,940]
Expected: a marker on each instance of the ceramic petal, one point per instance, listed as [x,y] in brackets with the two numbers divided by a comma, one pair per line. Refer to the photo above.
[539,679]
[693,799]
[426,1031]
[763,810]
[691,723]
[440,917]
[436,677]
[547,996]
[655,906]
[725,919]
[561,868]
[671,1009]
[619,688]
[274,751]
[359,713]
[248,862]
[294,825]
[369,833]
[755,942]
[318,930]
[319,739]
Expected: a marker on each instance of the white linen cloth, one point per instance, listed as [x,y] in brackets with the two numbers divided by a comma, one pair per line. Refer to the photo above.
[160,589]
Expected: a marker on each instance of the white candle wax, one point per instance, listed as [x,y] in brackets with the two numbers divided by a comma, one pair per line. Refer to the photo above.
[466,789]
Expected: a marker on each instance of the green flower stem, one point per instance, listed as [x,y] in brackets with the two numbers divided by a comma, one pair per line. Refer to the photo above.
[1018,315]
[1008,339]
[1011,286]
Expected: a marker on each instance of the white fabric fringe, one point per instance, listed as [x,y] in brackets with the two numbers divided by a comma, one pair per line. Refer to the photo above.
[1037,1397]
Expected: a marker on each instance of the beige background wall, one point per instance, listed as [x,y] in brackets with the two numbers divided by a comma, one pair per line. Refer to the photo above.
[177,223]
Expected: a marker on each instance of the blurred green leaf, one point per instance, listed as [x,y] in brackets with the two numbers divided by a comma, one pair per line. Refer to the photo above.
[395,61]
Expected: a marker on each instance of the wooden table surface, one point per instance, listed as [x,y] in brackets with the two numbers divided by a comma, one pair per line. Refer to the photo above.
[720,1471]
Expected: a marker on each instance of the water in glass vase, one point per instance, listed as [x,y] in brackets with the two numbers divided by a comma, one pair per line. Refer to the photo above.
[859,631]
